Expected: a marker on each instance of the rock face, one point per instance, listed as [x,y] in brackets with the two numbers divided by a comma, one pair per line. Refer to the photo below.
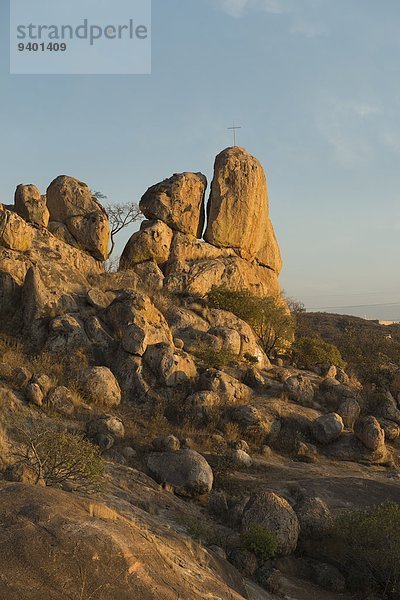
[314,516]
[240,250]
[238,213]
[275,514]
[31,206]
[300,389]
[171,368]
[328,428]
[370,433]
[71,202]
[99,551]
[101,387]
[178,201]
[186,471]
[197,278]
[152,242]
[15,234]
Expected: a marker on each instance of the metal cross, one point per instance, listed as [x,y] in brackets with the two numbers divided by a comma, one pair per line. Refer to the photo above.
[234,128]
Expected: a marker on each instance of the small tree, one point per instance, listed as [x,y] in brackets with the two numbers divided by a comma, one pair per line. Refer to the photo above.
[269,316]
[58,457]
[308,352]
[368,544]
[120,216]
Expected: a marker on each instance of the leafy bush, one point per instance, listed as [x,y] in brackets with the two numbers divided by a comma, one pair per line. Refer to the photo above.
[260,540]
[60,458]
[368,543]
[216,359]
[308,352]
[269,317]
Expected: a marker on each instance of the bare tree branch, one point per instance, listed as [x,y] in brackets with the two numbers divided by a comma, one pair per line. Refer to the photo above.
[119,216]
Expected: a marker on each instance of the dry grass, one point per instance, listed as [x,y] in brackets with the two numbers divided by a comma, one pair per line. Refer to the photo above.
[5,451]
[101,511]
[232,432]
[12,352]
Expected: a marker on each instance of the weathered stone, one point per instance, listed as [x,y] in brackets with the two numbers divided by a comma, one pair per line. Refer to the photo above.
[273,512]
[44,382]
[151,243]
[349,410]
[387,408]
[137,322]
[315,518]
[106,425]
[189,249]
[370,433]
[166,443]
[101,387]
[66,333]
[240,458]
[228,388]
[199,277]
[60,231]
[92,231]
[98,335]
[178,201]
[99,299]
[171,367]
[71,202]
[15,233]
[220,318]
[30,205]
[246,416]
[328,428]
[34,394]
[61,400]
[342,376]
[186,471]
[300,389]
[238,214]
[244,560]
[201,407]
[230,340]
[391,429]
[306,453]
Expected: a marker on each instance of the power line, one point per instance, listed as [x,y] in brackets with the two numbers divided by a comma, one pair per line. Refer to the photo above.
[357,306]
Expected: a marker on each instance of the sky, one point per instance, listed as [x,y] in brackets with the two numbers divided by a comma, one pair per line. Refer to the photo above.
[315,86]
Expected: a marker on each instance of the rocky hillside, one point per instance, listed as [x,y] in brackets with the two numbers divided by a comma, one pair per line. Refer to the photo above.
[149,447]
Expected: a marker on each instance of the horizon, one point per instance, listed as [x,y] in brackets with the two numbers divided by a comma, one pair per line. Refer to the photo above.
[316,96]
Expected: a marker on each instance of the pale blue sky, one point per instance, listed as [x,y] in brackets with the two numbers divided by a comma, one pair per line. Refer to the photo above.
[315,84]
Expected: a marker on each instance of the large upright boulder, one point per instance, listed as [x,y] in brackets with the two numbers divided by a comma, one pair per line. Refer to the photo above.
[30,205]
[178,201]
[238,213]
[71,202]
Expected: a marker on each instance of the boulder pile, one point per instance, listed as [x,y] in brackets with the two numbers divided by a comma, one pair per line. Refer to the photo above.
[239,249]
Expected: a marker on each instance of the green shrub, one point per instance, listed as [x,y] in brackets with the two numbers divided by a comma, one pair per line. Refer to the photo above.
[260,540]
[308,352]
[368,543]
[58,458]
[269,317]
[215,359]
